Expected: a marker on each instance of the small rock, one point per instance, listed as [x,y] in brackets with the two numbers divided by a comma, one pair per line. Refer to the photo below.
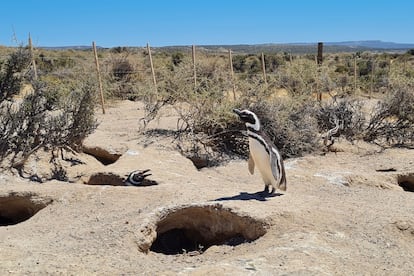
[402,225]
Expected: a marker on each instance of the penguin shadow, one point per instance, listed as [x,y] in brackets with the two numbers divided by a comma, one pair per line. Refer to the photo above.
[259,196]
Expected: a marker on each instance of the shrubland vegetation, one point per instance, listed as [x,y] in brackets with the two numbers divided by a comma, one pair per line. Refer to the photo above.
[59,112]
[53,116]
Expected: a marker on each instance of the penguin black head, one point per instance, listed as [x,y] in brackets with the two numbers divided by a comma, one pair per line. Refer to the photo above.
[249,118]
[136,178]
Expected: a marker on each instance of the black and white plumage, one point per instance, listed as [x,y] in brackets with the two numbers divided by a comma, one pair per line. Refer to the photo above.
[136,178]
[263,153]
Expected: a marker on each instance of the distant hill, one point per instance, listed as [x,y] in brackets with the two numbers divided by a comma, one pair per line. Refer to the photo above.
[74,47]
[302,48]
[374,44]
[295,48]
[329,47]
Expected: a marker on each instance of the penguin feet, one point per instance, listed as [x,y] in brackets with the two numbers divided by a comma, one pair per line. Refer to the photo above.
[268,192]
[265,191]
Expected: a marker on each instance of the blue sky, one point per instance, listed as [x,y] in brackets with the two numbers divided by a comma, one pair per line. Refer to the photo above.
[203,22]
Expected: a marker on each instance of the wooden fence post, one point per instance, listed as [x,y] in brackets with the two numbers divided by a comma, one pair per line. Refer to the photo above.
[371,90]
[355,74]
[194,66]
[232,74]
[319,61]
[264,69]
[154,80]
[98,71]
[33,58]
[320,53]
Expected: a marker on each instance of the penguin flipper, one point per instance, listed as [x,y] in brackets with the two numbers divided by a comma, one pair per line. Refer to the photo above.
[250,163]
[278,170]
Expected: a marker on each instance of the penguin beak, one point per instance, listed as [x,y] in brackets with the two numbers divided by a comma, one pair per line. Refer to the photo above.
[237,111]
[144,173]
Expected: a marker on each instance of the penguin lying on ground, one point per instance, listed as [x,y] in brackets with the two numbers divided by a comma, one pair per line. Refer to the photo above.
[136,178]
[263,153]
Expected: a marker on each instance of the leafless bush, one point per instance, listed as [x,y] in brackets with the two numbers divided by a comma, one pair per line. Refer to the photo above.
[203,108]
[348,112]
[291,124]
[207,127]
[392,121]
[121,78]
[122,69]
[75,121]
[29,125]
[12,73]
[178,86]
[211,131]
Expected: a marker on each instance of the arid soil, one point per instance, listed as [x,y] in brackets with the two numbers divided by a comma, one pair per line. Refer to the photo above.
[343,213]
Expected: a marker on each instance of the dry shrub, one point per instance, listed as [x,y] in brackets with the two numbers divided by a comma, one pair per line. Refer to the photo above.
[30,125]
[12,73]
[291,124]
[122,69]
[120,81]
[349,114]
[211,132]
[177,86]
[207,126]
[299,77]
[392,121]
[203,109]
[401,74]
[75,121]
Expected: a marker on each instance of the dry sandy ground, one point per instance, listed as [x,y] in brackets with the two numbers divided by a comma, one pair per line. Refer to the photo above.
[343,213]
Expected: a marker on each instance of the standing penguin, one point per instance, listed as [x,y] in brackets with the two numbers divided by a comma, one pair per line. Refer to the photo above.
[263,153]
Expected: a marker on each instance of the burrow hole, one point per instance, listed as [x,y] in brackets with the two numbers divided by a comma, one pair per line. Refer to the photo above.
[406,182]
[103,178]
[16,208]
[113,179]
[102,155]
[199,161]
[196,228]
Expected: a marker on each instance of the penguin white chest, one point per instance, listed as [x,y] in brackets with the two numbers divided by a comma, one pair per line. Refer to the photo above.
[261,159]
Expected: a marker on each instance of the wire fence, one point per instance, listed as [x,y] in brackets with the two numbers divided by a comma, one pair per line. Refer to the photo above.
[141,61]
